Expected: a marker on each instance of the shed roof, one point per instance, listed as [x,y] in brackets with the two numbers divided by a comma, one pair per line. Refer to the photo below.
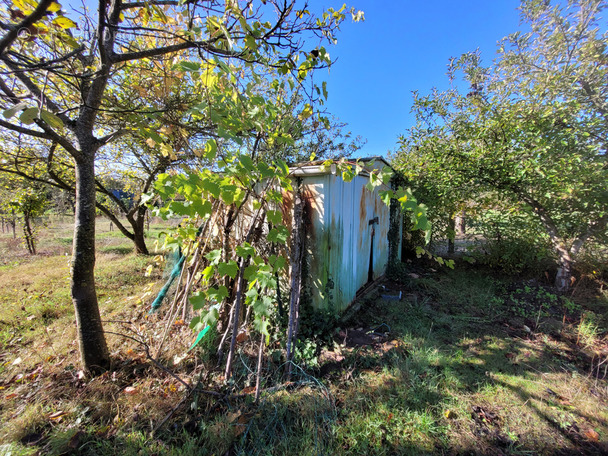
[316,168]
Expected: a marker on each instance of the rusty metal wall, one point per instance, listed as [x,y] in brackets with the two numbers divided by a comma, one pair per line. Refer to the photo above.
[339,239]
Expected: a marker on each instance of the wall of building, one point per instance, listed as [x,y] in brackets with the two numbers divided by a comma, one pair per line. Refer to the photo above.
[339,239]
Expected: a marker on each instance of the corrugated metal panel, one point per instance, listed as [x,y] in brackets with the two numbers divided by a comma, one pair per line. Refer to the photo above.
[339,239]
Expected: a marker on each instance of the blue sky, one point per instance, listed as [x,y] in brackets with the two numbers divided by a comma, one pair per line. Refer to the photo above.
[404,45]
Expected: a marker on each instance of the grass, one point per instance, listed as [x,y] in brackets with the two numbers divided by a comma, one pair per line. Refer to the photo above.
[470,364]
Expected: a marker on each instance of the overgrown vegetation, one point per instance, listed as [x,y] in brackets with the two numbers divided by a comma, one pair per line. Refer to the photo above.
[502,355]
[467,362]
[524,139]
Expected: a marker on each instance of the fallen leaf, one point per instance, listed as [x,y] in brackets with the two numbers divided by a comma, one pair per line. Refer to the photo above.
[449,414]
[179,358]
[10,396]
[130,390]
[17,361]
[241,336]
[248,390]
[592,435]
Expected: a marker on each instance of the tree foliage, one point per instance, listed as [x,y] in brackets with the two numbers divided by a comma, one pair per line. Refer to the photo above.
[21,199]
[64,83]
[529,132]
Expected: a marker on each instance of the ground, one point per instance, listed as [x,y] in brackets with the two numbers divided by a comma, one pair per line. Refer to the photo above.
[440,362]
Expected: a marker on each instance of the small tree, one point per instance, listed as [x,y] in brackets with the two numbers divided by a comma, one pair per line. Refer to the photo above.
[530,133]
[26,201]
[60,80]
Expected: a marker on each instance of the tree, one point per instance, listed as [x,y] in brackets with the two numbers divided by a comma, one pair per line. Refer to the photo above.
[530,133]
[58,78]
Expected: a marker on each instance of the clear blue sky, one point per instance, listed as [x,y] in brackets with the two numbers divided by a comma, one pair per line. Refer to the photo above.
[404,45]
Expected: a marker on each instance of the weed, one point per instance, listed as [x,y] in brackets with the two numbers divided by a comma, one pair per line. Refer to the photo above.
[587,330]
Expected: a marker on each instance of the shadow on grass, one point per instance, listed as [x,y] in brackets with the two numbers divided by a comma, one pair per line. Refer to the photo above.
[117,250]
[454,377]
[468,385]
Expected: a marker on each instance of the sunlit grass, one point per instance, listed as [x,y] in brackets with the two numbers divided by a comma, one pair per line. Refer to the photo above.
[458,355]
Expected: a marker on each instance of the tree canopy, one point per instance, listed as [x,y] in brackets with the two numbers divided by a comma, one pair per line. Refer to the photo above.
[69,84]
[528,131]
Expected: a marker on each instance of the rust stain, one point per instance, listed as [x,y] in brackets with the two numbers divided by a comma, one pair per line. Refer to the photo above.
[309,198]
[287,209]
[362,205]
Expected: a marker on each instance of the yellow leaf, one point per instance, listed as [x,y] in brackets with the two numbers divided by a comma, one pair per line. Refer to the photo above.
[64,22]
[166,150]
[54,7]
[57,415]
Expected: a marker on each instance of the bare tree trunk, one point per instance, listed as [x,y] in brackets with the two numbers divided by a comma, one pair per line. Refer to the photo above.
[91,340]
[259,370]
[28,233]
[563,279]
[14,224]
[235,323]
[461,224]
[137,224]
[296,275]
[451,235]
[140,242]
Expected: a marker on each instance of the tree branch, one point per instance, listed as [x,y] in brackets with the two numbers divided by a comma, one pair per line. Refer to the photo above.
[154,52]
[25,131]
[8,39]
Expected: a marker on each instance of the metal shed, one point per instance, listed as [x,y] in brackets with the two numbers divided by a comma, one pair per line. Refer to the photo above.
[345,234]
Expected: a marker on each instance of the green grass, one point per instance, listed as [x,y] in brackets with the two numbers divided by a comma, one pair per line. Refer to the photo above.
[458,374]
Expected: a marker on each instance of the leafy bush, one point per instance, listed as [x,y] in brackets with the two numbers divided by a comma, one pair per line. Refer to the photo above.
[513,242]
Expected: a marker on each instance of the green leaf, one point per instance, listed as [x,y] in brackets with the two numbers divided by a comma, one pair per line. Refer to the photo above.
[277,263]
[261,325]
[208,273]
[210,149]
[263,306]
[250,272]
[211,317]
[228,269]
[386,196]
[275,217]
[282,167]
[29,115]
[228,193]
[198,300]
[10,112]
[278,234]
[214,256]
[245,250]
[51,119]
[217,294]
[247,162]
[212,187]
[202,208]
[251,43]
[190,66]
